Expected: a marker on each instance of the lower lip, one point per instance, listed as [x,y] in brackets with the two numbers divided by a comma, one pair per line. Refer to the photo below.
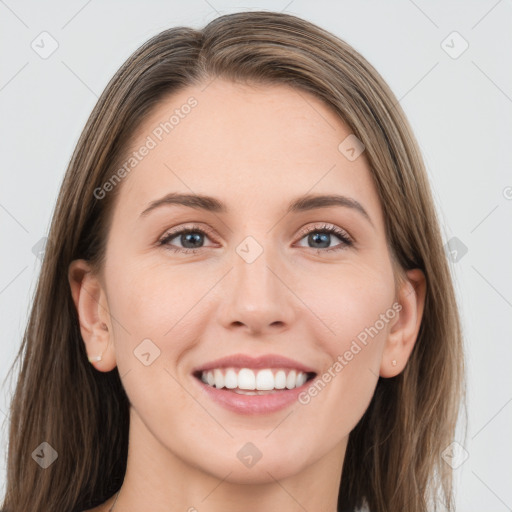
[253,404]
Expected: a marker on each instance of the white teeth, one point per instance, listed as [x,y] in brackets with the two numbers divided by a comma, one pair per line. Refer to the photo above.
[280,380]
[290,380]
[219,378]
[246,379]
[301,379]
[264,380]
[230,379]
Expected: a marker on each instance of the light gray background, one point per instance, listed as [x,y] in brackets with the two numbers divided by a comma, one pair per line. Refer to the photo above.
[460,109]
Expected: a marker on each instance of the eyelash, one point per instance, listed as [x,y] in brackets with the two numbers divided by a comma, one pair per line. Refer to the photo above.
[326,228]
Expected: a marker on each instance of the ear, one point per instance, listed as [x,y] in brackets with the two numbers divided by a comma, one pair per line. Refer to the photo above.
[91,304]
[404,331]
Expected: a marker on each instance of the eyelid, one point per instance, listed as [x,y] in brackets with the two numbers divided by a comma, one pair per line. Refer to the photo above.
[171,233]
[320,226]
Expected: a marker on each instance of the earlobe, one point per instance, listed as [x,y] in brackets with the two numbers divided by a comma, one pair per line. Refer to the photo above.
[92,310]
[404,332]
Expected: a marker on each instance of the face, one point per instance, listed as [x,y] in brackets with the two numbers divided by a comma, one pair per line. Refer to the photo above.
[252,277]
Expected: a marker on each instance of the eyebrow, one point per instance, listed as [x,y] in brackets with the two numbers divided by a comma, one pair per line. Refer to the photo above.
[300,204]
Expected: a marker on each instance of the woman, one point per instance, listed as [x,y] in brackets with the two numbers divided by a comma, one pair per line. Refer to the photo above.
[190,347]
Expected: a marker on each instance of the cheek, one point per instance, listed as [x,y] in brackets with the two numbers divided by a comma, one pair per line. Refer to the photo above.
[156,323]
[156,304]
[354,301]
[360,316]
[357,306]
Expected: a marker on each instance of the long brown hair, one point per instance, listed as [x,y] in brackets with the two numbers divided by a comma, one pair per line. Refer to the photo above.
[393,460]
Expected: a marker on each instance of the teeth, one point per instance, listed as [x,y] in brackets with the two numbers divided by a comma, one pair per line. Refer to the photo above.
[219,378]
[230,380]
[264,380]
[291,379]
[280,380]
[247,381]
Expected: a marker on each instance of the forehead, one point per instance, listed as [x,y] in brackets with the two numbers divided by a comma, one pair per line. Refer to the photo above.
[247,145]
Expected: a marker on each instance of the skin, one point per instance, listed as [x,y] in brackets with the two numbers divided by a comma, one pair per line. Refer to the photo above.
[256,149]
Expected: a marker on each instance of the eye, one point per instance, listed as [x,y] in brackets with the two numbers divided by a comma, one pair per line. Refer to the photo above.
[321,235]
[190,237]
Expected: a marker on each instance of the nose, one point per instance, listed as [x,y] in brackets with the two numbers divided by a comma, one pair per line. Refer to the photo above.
[258,299]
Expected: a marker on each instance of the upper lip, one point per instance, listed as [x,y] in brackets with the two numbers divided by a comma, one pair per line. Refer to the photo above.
[246,361]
